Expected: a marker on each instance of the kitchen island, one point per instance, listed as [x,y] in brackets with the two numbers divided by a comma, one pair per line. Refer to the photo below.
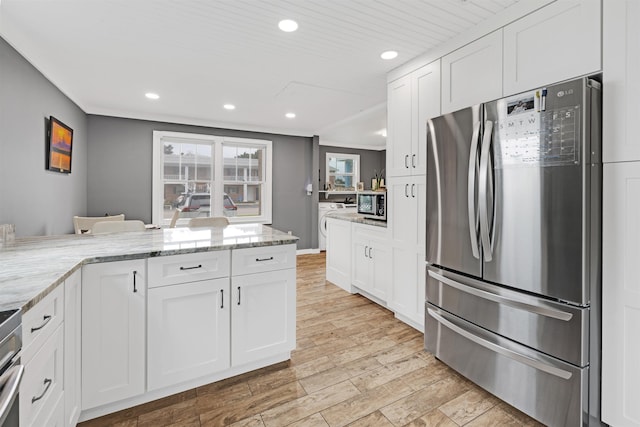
[115,320]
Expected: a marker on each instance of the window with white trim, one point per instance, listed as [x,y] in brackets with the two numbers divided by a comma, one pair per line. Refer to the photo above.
[205,175]
[343,171]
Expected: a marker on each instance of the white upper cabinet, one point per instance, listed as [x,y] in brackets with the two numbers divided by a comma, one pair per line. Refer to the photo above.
[621,93]
[399,127]
[426,82]
[473,73]
[555,43]
[411,101]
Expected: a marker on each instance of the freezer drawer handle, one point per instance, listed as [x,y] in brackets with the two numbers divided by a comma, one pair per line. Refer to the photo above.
[536,364]
[543,311]
[471,191]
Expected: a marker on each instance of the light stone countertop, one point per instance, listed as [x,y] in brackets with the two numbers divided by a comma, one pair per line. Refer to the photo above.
[354,217]
[32,267]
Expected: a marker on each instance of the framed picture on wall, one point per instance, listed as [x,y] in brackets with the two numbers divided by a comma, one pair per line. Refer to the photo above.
[59,145]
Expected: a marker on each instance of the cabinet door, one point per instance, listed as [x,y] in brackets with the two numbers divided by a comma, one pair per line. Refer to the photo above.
[407,210]
[188,331]
[360,262]
[426,104]
[473,73]
[399,127]
[113,332]
[338,269]
[407,292]
[72,350]
[555,43]
[263,315]
[621,62]
[621,294]
[380,267]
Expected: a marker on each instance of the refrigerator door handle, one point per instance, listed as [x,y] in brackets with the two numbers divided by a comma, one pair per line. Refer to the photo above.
[484,189]
[536,364]
[522,305]
[471,191]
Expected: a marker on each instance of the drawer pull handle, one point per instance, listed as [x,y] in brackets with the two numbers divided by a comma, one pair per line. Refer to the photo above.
[221,298]
[264,259]
[46,319]
[191,268]
[238,295]
[47,383]
[134,281]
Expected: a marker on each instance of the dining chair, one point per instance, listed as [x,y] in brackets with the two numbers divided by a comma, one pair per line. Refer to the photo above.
[117,226]
[214,221]
[84,224]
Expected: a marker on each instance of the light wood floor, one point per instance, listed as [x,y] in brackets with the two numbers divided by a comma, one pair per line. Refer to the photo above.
[355,365]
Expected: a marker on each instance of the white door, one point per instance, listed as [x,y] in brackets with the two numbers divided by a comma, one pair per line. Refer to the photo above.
[263,315]
[113,331]
[188,331]
[621,294]
[72,348]
[399,127]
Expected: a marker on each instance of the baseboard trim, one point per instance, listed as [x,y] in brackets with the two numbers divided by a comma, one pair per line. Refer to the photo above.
[307,251]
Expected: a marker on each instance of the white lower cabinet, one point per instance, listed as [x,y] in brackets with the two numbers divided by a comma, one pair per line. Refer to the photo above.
[113,331]
[41,388]
[188,331]
[621,294]
[371,270]
[408,291]
[263,313]
[338,263]
[72,348]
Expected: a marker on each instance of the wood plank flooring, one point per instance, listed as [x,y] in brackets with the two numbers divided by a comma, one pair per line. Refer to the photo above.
[355,365]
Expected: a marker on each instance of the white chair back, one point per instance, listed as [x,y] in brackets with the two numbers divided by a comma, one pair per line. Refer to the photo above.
[214,221]
[117,226]
[84,224]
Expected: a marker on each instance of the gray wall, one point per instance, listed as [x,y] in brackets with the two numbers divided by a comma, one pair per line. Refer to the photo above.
[37,201]
[370,161]
[120,171]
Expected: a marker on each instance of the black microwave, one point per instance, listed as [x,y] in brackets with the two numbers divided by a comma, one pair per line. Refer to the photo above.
[373,204]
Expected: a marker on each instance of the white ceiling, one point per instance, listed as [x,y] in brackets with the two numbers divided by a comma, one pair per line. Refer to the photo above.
[200,54]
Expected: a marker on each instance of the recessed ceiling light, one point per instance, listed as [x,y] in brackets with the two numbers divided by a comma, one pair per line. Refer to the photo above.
[382,132]
[229,107]
[390,54]
[288,25]
[152,95]
[290,115]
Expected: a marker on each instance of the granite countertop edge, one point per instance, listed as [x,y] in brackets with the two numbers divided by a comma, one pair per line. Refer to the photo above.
[21,288]
[357,218]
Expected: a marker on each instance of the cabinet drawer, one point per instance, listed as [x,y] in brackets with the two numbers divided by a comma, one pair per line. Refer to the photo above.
[171,270]
[40,321]
[266,258]
[41,386]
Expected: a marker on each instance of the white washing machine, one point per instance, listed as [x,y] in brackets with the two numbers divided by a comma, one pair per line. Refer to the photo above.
[323,209]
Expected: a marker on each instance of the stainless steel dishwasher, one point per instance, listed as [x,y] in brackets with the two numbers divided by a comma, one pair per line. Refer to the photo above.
[10,368]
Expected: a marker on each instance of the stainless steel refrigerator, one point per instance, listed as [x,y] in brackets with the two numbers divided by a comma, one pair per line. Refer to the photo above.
[513,249]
